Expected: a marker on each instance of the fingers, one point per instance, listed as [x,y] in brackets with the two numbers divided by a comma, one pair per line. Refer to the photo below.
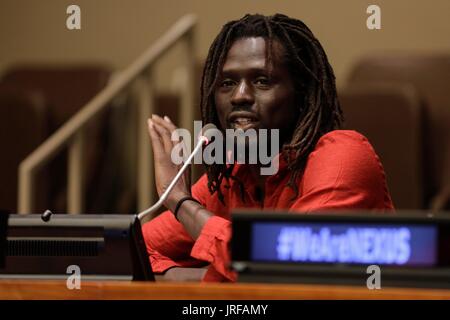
[164,129]
[169,125]
[166,123]
[165,169]
[157,145]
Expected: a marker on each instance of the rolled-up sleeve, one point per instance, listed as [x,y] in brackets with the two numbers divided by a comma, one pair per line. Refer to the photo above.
[213,246]
[167,242]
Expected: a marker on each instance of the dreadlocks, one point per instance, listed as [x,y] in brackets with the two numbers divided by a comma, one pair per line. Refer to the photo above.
[319,109]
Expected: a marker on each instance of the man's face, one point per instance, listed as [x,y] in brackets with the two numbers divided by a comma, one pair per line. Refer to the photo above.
[253,94]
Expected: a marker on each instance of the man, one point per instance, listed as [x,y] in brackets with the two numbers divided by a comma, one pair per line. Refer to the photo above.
[261,73]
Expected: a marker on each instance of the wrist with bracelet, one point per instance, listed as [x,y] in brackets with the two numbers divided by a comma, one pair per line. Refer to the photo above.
[180,202]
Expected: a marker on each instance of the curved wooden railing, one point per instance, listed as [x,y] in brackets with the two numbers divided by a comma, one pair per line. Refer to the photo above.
[138,78]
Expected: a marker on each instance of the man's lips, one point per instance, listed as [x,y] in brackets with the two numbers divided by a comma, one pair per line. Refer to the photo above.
[243,120]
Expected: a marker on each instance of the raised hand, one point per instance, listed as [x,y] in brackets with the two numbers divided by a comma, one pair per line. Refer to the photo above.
[160,131]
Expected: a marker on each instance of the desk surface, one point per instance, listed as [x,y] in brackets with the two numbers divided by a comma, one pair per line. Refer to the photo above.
[40,289]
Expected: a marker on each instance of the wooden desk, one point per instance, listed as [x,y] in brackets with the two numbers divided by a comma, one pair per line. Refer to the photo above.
[91,290]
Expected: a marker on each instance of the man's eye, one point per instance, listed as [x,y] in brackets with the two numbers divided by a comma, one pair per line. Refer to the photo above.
[227,83]
[262,81]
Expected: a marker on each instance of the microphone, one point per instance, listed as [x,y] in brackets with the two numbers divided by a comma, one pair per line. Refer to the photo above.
[203,139]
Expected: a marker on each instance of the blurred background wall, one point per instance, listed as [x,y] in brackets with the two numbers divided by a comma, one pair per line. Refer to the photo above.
[117,31]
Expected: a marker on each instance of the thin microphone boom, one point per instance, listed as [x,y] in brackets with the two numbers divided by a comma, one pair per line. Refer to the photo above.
[201,140]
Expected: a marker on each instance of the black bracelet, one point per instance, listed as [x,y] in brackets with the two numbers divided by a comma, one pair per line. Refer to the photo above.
[180,202]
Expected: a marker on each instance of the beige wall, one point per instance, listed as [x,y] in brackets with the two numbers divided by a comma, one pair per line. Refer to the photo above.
[117,31]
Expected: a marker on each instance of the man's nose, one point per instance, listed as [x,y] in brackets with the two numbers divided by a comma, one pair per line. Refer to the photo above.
[243,95]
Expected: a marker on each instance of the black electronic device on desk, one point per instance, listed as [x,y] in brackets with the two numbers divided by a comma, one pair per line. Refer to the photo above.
[407,249]
[103,247]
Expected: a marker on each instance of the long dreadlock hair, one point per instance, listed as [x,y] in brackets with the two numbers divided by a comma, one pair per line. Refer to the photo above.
[313,77]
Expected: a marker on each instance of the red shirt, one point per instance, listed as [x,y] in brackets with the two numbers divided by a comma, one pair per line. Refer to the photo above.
[343,172]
